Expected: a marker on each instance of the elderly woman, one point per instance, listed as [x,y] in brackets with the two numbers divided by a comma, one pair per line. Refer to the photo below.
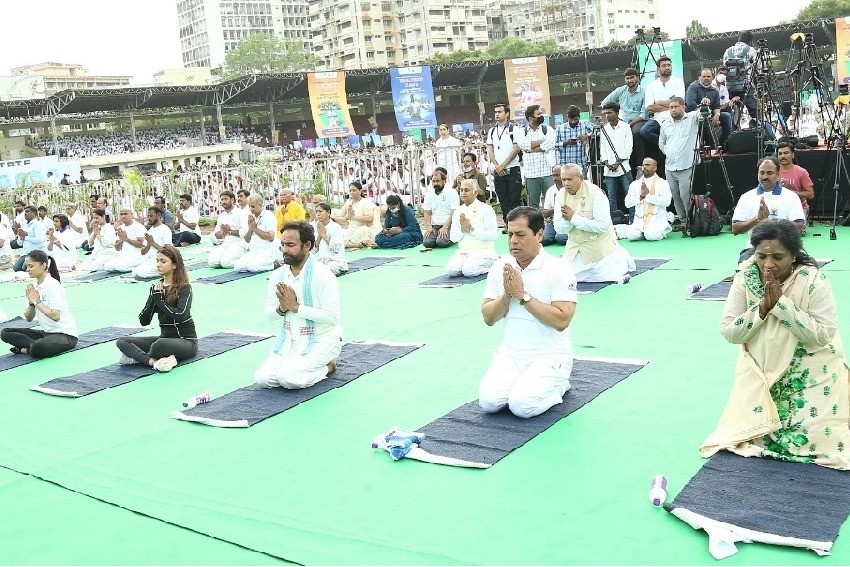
[789,398]
[401,229]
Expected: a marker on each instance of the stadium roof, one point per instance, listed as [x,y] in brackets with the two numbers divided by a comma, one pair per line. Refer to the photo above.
[253,90]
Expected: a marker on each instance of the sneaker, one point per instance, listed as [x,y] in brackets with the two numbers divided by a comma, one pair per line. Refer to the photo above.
[126,360]
[165,364]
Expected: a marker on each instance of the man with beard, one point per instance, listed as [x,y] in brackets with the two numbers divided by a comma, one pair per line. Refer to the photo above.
[304,294]
[440,204]
[657,99]
[793,177]
[258,232]
[227,244]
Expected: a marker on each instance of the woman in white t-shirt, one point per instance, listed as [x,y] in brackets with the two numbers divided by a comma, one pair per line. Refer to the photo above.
[48,306]
[448,151]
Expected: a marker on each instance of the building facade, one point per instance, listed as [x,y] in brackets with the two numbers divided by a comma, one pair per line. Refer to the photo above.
[63,76]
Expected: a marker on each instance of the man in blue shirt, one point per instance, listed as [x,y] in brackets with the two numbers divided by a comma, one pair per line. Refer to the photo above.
[703,92]
[31,236]
[630,97]
[571,139]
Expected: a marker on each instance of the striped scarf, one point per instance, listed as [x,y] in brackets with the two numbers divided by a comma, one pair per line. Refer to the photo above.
[310,329]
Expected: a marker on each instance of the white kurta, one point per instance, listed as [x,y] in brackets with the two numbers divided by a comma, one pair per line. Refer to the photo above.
[650,213]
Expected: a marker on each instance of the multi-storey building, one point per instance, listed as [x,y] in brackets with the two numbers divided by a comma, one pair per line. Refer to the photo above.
[62,76]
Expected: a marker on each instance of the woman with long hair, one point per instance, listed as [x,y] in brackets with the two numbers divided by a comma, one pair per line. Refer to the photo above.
[47,305]
[448,150]
[789,398]
[401,229]
[330,242]
[170,299]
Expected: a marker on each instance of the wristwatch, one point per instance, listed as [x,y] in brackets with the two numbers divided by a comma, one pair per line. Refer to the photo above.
[525,299]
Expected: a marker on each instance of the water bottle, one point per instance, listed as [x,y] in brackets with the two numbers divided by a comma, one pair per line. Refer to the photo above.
[693,288]
[658,491]
[199,399]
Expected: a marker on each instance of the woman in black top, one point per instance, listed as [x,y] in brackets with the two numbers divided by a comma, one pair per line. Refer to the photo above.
[171,300]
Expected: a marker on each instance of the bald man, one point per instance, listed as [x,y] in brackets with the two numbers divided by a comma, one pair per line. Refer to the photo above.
[289,210]
[259,232]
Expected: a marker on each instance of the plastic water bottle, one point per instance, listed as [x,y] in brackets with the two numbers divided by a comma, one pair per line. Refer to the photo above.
[693,288]
[199,399]
[658,491]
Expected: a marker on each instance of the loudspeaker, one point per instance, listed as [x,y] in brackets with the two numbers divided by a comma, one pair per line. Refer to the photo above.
[742,142]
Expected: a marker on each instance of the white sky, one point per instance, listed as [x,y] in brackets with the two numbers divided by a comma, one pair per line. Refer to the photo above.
[126,37]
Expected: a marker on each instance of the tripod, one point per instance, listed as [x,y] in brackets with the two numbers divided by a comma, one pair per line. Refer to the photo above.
[640,39]
[703,125]
[762,78]
[595,168]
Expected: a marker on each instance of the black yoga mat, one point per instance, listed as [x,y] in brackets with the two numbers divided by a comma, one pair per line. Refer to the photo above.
[720,290]
[370,262]
[446,281]
[641,265]
[18,323]
[95,337]
[189,268]
[95,276]
[250,405]
[228,276]
[479,439]
[771,501]
[118,374]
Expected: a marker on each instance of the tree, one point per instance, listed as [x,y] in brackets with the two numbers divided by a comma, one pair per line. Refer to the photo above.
[260,53]
[696,29]
[648,35]
[830,9]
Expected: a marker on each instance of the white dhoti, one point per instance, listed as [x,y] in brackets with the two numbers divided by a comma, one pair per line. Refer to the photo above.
[98,259]
[123,263]
[611,268]
[463,263]
[336,265]
[637,230]
[146,269]
[291,369]
[527,384]
[256,261]
[225,255]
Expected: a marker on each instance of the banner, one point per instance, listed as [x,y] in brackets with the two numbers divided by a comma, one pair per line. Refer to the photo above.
[527,80]
[413,97]
[646,61]
[842,51]
[329,104]
[25,172]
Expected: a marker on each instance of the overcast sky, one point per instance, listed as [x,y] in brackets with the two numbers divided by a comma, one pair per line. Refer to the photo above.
[125,37]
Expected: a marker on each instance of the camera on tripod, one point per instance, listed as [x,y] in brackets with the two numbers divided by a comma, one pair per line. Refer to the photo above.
[704,112]
[809,40]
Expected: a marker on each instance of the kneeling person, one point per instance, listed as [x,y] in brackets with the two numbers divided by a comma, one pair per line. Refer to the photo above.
[304,294]
[474,229]
[535,293]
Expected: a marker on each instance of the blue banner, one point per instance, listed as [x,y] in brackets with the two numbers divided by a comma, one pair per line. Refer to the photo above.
[413,98]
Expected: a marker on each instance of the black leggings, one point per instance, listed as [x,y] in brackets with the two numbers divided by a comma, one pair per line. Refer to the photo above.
[38,343]
[142,349]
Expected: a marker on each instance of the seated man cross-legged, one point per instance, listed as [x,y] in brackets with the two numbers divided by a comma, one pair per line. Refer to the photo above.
[475,230]
[304,295]
[535,293]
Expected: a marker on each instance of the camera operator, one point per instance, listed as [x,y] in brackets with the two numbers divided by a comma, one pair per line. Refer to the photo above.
[571,139]
[739,60]
[678,141]
[703,93]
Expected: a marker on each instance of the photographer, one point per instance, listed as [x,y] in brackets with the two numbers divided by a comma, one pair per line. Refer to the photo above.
[571,139]
[702,93]
[739,60]
[678,141]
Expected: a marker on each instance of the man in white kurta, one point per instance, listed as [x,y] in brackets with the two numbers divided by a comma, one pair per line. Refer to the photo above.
[303,295]
[77,223]
[130,239]
[228,245]
[101,242]
[259,232]
[581,210]
[474,229]
[157,236]
[650,196]
[535,294]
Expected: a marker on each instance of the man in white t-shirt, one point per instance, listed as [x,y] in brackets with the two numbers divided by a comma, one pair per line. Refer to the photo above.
[157,236]
[259,232]
[130,239]
[440,204]
[657,99]
[550,235]
[187,228]
[226,239]
[769,199]
[535,293]
[77,223]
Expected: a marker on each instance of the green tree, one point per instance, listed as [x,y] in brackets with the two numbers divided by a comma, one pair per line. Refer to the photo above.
[696,29]
[260,53]
[818,9]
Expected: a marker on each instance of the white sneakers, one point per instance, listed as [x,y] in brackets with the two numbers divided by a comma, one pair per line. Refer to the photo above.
[165,364]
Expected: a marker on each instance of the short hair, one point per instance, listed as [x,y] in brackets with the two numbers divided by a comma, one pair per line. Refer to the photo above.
[573,111]
[677,99]
[244,193]
[186,196]
[42,208]
[99,213]
[21,203]
[786,232]
[324,206]
[63,220]
[532,215]
[255,199]
[784,144]
[504,106]
[631,72]
[304,229]
[31,209]
[227,194]
[530,110]
[773,159]
[574,167]
[611,105]
[155,209]
[662,59]
[472,155]
[746,37]
[105,200]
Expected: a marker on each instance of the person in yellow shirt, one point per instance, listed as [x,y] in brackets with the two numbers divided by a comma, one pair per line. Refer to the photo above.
[289,210]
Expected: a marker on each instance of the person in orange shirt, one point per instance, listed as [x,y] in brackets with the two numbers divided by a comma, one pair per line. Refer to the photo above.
[289,210]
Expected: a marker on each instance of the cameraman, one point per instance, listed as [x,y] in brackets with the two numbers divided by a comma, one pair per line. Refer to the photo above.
[739,60]
[703,93]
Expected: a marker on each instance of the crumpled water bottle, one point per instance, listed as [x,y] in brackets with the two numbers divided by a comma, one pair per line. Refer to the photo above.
[201,398]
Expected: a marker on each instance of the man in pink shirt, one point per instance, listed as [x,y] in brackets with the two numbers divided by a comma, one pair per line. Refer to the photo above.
[793,177]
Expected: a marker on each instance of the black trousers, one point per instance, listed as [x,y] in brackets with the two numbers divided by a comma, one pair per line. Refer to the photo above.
[38,343]
[508,190]
[142,349]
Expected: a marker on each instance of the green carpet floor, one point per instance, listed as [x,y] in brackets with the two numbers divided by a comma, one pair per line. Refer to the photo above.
[111,479]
